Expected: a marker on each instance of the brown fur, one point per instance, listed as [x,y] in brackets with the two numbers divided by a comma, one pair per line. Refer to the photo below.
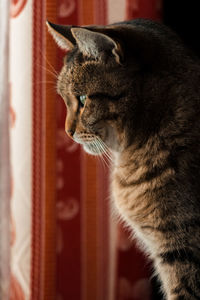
[143,105]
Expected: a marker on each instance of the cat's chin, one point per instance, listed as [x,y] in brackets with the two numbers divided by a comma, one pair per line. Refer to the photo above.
[91,149]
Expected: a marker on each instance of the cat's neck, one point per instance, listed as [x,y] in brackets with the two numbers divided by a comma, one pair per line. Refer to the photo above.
[138,153]
[123,158]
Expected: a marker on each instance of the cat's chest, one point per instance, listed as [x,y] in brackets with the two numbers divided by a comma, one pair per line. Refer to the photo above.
[128,196]
[136,206]
[134,196]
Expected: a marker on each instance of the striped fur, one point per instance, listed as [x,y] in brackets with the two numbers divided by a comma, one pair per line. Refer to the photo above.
[142,111]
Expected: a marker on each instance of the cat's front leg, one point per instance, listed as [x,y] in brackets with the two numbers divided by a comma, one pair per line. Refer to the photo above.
[179,275]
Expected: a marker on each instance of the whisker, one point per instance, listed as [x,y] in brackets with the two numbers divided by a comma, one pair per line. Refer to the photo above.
[51,88]
[106,150]
[103,155]
[102,160]
[102,149]
[105,161]
[44,82]
[107,154]
[97,145]
[47,61]
[103,143]
[47,70]
[105,146]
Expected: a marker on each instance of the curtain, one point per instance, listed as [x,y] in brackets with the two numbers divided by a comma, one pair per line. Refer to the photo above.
[4,154]
[65,243]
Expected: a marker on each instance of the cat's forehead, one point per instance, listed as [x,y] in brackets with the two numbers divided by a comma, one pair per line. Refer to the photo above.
[83,77]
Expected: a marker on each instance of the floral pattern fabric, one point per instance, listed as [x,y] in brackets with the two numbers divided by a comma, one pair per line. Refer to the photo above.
[65,244]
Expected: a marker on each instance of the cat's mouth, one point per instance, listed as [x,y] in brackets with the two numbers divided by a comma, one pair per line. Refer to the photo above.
[92,144]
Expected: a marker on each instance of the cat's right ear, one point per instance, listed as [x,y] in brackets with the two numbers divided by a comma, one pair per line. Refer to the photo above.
[62,35]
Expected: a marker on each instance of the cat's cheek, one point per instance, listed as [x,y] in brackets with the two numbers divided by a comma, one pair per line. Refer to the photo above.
[110,136]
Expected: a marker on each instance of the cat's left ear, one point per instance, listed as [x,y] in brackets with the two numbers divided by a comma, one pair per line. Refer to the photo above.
[62,35]
[95,44]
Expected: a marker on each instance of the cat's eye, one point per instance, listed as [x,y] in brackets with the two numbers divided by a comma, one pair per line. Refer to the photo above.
[82,99]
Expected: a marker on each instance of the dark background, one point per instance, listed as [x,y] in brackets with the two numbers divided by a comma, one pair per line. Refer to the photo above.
[184,18]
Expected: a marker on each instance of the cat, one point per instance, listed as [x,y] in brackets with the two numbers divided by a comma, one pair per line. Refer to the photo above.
[133,89]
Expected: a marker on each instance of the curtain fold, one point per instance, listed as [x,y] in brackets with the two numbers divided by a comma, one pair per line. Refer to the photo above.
[65,244]
[4,154]
[20,81]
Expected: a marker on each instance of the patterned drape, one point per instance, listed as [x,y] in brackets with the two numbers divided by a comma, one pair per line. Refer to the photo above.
[21,146]
[65,244]
[4,154]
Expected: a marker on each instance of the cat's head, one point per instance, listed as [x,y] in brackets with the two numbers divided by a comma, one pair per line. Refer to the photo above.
[101,81]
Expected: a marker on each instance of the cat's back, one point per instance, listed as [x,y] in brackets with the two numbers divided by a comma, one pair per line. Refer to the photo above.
[171,44]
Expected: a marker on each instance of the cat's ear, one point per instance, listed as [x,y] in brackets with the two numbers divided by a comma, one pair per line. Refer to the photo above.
[95,44]
[62,35]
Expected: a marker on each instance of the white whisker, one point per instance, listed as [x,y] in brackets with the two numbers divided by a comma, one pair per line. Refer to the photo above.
[44,82]
[99,149]
[105,149]
[47,70]
[50,65]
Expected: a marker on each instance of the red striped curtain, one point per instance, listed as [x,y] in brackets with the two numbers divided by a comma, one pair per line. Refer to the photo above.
[65,243]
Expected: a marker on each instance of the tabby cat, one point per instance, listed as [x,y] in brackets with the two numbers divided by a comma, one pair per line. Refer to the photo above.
[133,89]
